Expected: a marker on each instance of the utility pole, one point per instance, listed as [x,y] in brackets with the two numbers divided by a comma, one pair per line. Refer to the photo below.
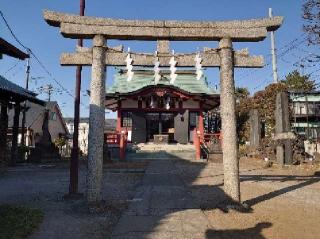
[23,123]
[273,53]
[47,89]
[74,163]
[49,92]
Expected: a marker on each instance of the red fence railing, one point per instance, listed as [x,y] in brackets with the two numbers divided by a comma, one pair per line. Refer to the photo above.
[208,137]
[112,138]
[118,140]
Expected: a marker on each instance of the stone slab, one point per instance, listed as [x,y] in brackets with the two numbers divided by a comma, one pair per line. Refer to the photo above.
[209,59]
[74,26]
[74,31]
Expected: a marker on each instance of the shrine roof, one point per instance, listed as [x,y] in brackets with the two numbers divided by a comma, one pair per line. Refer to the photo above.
[9,91]
[186,81]
[10,50]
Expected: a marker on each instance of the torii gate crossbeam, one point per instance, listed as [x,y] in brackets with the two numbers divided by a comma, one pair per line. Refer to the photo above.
[210,58]
[99,56]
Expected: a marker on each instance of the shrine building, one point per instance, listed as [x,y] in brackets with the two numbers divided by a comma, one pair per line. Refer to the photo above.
[163,111]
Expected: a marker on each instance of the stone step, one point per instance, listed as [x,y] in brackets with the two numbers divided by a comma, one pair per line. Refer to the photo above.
[160,155]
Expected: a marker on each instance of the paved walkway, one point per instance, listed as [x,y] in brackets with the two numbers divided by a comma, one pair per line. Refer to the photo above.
[163,207]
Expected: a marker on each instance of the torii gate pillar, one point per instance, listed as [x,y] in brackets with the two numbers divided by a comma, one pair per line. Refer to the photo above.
[228,121]
[96,120]
[226,32]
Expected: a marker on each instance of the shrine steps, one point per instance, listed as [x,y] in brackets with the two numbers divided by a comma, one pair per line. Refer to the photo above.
[158,151]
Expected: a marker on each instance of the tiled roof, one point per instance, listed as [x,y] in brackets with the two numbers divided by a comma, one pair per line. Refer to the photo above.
[11,88]
[33,113]
[185,81]
[303,96]
[10,50]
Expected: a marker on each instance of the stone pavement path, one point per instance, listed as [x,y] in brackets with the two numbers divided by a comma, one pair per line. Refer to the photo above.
[162,207]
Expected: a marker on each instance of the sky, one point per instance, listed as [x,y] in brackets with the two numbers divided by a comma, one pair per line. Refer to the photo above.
[26,19]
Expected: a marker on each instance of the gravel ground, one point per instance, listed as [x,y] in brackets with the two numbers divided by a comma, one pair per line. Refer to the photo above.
[285,202]
[44,188]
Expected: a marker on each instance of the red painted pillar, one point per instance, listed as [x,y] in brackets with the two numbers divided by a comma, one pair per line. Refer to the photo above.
[74,162]
[118,129]
[122,149]
[196,142]
[201,126]
[125,142]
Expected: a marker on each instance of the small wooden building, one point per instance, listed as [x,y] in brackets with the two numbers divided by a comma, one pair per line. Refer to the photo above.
[35,114]
[162,111]
[11,96]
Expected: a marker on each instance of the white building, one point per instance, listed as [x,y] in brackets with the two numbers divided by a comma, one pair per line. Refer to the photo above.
[110,125]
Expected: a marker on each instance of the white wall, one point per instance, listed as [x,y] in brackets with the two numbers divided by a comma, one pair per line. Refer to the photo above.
[83,135]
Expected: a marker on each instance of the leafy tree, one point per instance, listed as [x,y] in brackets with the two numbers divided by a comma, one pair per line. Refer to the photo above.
[242,92]
[311,15]
[242,95]
[296,81]
[265,100]
[60,142]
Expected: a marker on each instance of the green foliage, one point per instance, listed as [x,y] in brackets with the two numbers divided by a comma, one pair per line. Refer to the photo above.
[296,81]
[265,100]
[242,92]
[18,222]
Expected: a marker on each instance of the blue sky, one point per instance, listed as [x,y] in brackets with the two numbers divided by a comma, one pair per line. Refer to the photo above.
[25,17]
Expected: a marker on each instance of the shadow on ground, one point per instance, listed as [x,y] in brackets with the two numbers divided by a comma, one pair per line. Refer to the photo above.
[168,201]
[171,202]
[252,232]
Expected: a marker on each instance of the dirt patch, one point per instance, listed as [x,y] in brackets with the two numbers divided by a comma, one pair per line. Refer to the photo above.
[44,187]
[285,204]
[125,165]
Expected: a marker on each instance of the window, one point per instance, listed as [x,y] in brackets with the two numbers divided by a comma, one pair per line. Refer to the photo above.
[53,116]
[71,128]
[193,119]
[126,119]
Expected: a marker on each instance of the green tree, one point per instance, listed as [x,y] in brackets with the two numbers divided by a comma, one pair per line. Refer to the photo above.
[264,101]
[295,81]
[242,92]
[60,142]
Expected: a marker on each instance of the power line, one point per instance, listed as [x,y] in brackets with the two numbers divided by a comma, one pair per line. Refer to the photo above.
[291,46]
[34,55]
[12,33]
[48,72]
[11,68]
[291,42]
[266,81]
[314,72]
[15,72]
[287,48]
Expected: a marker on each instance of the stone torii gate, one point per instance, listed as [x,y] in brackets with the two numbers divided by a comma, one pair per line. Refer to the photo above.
[100,56]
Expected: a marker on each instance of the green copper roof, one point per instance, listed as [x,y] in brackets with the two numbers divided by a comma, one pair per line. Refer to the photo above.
[186,81]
